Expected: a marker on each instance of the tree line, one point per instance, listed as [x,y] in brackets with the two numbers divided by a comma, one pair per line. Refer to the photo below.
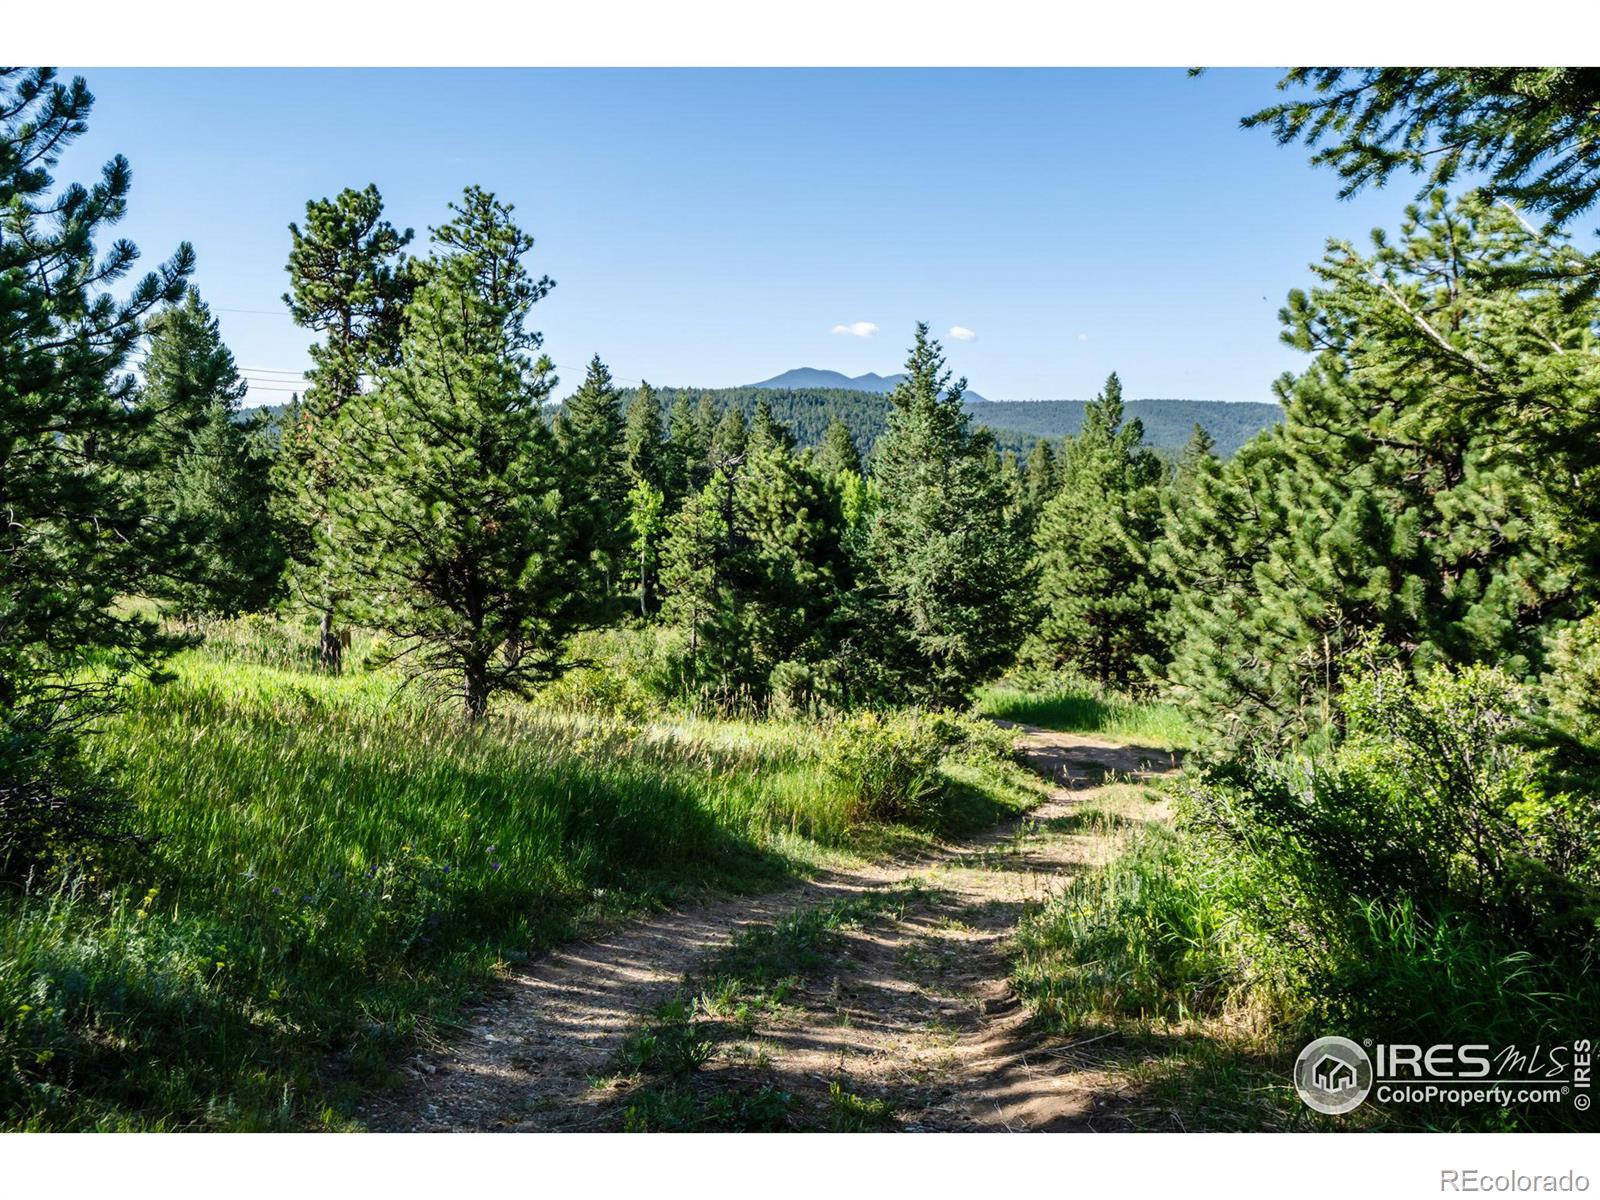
[1430,491]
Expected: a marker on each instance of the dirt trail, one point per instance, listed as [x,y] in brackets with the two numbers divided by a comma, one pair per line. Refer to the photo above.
[918,1012]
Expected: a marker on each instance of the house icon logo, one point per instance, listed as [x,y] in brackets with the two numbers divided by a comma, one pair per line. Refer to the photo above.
[1333,1075]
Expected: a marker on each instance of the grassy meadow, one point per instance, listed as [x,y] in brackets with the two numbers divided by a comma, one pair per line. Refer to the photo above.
[331,867]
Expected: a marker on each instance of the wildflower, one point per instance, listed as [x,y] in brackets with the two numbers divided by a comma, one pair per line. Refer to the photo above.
[494,866]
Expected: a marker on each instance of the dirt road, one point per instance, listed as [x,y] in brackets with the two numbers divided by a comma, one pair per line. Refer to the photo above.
[914,1015]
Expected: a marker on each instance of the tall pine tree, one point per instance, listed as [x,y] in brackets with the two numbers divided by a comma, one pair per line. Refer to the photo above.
[209,478]
[589,434]
[1100,605]
[77,535]
[946,568]
[454,537]
[1417,490]
[349,281]
[648,499]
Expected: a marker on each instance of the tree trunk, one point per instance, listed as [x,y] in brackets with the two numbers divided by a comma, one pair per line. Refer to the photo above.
[330,648]
[476,691]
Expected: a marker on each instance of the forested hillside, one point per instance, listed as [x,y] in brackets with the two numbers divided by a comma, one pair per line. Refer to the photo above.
[1016,424]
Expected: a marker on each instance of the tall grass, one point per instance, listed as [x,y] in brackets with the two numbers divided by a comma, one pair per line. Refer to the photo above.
[334,867]
[1145,938]
[1072,706]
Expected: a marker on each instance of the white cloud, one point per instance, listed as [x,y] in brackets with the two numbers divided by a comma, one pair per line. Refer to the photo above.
[1083,337]
[857,329]
[962,334]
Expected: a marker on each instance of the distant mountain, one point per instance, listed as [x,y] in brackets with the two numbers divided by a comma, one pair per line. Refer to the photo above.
[814,378]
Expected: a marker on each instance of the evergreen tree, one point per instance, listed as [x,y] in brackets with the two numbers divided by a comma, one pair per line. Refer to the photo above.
[766,430]
[646,459]
[1198,453]
[76,537]
[706,416]
[1100,605]
[589,435]
[752,572]
[838,454]
[729,441]
[1040,480]
[681,457]
[454,536]
[642,444]
[1417,490]
[947,570]
[209,480]
[188,374]
[223,487]
[1530,131]
[348,280]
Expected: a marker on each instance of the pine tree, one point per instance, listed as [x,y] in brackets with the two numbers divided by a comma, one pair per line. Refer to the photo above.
[454,536]
[946,567]
[838,454]
[766,430]
[223,487]
[752,571]
[589,435]
[1418,489]
[188,373]
[730,439]
[681,457]
[1198,453]
[706,417]
[76,537]
[348,280]
[645,456]
[209,480]
[642,442]
[1100,605]
[1528,131]
[1041,480]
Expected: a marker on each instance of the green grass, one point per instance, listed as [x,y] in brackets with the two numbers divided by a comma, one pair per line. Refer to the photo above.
[334,869]
[1081,708]
[1164,949]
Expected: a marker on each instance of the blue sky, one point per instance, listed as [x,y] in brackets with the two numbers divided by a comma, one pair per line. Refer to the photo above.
[714,227]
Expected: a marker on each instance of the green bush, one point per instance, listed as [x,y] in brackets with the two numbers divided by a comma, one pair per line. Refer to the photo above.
[889,766]
[1420,881]
[905,766]
[1430,800]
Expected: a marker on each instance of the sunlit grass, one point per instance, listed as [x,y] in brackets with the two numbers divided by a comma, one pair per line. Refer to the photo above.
[334,865]
[1073,708]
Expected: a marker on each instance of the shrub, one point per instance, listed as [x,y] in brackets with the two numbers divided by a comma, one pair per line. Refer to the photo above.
[1430,801]
[890,767]
[905,766]
[792,689]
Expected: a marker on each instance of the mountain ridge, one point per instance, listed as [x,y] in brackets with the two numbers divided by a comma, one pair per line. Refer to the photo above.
[812,378]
